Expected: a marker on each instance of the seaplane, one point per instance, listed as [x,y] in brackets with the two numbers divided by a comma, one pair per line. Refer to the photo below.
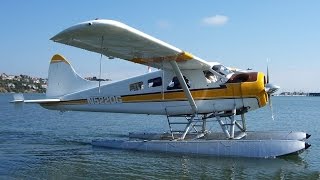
[187,90]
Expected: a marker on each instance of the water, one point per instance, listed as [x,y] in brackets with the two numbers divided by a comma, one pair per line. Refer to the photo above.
[36,143]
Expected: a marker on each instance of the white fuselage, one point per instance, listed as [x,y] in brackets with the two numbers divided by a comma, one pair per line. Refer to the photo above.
[145,95]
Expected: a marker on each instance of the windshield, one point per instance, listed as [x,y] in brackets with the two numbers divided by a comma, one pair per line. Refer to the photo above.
[222,70]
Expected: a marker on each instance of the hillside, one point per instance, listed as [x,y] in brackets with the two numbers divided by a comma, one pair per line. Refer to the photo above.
[22,84]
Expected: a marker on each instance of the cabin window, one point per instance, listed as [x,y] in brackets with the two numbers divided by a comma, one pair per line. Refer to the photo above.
[175,84]
[136,86]
[155,82]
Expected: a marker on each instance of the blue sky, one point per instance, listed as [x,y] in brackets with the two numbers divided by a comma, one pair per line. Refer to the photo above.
[240,34]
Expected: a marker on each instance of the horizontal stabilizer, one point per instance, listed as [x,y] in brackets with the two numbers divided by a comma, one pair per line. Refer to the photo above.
[18,98]
[39,101]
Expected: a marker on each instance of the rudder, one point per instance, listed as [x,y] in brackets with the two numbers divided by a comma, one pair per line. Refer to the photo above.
[62,78]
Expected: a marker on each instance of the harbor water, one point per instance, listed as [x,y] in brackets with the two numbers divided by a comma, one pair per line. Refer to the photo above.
[36,143]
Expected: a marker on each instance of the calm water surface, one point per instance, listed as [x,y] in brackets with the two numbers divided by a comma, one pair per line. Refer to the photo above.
[36,143]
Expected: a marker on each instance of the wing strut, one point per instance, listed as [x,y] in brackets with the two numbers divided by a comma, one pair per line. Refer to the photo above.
[100,63]
[184,85]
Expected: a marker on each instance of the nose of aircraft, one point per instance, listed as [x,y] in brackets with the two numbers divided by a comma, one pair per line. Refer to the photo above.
[271,88]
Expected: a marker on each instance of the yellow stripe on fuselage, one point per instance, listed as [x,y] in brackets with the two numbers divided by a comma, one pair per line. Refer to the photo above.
[69,102]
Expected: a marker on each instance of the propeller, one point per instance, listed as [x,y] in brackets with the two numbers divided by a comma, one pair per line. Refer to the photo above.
[270,89]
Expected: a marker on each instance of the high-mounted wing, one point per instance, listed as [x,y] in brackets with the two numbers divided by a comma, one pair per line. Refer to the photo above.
[115,39]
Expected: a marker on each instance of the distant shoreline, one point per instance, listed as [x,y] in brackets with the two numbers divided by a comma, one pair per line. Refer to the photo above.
[22,84]
[27,84]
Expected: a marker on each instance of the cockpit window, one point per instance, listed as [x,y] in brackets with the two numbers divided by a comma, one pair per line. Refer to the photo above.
[210,77]
[155,82]
[224,71]
[175,84]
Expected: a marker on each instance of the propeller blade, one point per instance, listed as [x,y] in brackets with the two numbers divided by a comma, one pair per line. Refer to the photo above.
[268,78]
[270,89]
[270,105]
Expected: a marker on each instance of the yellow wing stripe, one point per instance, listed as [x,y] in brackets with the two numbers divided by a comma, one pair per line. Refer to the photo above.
[184,56]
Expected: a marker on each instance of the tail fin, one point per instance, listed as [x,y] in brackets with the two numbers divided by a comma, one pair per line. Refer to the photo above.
[62,78]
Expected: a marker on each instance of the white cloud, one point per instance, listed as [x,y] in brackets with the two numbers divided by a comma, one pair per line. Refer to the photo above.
[217,20]
[163,24]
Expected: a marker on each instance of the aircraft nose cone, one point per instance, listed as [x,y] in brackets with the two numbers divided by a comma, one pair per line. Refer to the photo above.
[307,145]
[271,88]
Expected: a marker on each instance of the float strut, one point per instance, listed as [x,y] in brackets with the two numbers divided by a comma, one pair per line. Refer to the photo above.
[233,120]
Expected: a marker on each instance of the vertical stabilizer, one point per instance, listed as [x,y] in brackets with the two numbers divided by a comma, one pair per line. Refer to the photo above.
[62,79]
